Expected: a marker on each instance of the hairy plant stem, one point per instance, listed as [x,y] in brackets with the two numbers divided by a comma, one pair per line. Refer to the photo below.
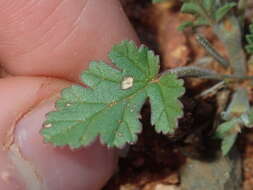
[212,90]
[190,71]
[193,71]
[211,50]
[229,32]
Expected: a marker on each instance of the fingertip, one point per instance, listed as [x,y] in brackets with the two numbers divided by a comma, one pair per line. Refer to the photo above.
[68,38]
[26,162]
[62,168]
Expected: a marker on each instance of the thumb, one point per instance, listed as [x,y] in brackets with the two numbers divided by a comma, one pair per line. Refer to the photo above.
[26,162]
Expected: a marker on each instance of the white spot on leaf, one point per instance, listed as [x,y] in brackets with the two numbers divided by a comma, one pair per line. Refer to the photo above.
[48,125]
[127,83]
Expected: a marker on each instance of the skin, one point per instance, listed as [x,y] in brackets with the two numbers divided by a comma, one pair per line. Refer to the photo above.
[44,46]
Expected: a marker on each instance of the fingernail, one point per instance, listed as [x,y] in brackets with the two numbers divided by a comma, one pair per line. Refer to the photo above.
[58,168]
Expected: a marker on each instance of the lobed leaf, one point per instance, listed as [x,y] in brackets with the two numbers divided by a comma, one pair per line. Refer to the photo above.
[222,11]
[110,107]
[166,108]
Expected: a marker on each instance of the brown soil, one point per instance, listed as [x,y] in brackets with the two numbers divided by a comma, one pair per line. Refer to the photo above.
[153,163]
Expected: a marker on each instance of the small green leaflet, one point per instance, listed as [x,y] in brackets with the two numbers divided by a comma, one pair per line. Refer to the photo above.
[250,118]
[206,12]
[222,11]
[158,1]
[247,118]
[249,39]
[192,8]
[184,25]
[110,107]
[237,115]
[208,4]
[228,132]
[239,104]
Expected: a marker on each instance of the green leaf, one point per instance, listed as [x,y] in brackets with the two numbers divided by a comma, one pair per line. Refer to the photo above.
[227,128]
[249,38]
[249,48]
[228,132]
[237,115]
[191,8]
[110,107]
[200,21]
[166,109]
[247,118]
[222,11]
[158,1]
[251,115]
[208,4]
[141,64]
[185,25]
[239,104]
[251,28]
[227,143]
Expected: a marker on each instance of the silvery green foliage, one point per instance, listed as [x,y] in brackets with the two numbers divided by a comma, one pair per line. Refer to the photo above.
[206,12]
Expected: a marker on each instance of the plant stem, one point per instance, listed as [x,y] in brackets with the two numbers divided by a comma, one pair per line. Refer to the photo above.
[193,71]
[211,91]
[229,32]
[232,77]
[211,50]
